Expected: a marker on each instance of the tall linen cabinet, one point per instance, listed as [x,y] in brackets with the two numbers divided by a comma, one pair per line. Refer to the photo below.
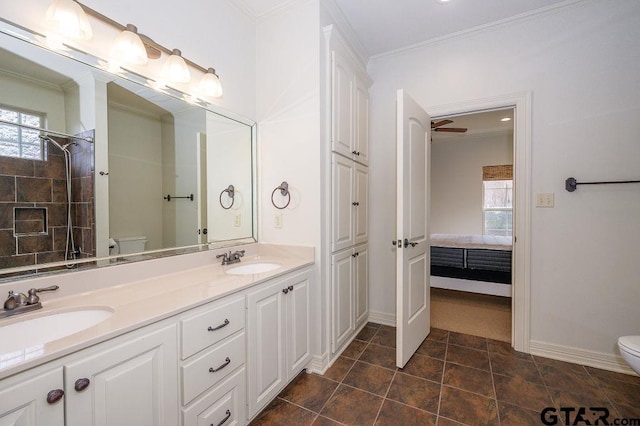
[348,93]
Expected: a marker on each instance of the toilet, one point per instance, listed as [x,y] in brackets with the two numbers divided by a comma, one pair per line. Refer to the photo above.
[126,245]
[630,349]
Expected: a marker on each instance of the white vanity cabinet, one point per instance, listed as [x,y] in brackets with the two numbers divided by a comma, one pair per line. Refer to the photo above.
[213,347]
[278,336]
[130,381]
[349,293]
[33,398]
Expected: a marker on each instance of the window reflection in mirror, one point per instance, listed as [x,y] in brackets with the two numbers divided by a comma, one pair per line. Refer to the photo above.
[146,171]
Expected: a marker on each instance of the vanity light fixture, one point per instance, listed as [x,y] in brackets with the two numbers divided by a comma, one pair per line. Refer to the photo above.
[175,68]
[210,86]
[505,119]
[128,47]
[69,19]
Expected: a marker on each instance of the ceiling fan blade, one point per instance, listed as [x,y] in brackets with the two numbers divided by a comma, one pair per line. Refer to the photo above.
[440,123]
[451,130]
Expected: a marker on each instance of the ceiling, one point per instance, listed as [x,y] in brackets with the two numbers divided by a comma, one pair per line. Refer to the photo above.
[388,25]
[487,122]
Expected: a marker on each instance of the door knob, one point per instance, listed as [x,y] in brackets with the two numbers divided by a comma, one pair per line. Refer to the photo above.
[407,243]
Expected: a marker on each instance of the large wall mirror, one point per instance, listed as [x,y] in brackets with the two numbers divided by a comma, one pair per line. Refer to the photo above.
[120,172]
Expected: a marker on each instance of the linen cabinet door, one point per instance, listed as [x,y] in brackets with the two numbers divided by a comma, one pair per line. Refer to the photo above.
[266,366]
[342,295]
[343,199]
[361,208]
[298,322]
[33,400]
[361,107]
[130,383]
[361,283]
[342,81]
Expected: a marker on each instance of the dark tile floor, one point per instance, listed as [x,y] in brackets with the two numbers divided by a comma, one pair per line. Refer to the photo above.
[453,379]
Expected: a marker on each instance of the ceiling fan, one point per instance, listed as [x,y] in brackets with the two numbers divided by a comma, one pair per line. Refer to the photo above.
[437,127]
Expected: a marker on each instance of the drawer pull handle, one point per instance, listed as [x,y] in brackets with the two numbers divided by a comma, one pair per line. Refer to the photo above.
[223,365]
[55,396]
[224,324]
[81,384]
[225,419]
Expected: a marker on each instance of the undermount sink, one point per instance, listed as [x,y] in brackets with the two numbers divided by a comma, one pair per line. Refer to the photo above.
[252,268]
[47,328]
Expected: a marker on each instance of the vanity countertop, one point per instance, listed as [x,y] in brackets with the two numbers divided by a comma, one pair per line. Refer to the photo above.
[141,302]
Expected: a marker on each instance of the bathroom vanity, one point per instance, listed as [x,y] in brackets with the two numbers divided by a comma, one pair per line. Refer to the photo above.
[185,342]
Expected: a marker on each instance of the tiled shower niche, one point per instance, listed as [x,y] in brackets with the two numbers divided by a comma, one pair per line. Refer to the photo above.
[33,205]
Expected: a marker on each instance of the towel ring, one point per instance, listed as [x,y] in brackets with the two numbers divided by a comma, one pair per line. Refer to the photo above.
[284,191]
[232,193]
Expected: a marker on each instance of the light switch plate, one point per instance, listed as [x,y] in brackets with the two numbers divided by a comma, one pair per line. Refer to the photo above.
[545,199]
[277,220]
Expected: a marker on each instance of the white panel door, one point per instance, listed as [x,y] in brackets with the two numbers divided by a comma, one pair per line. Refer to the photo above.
[298,301]
[412,250]
[342,294]
[361,200]
[266,365]
[361,283]
[134,383]
[25,403]
[343,197]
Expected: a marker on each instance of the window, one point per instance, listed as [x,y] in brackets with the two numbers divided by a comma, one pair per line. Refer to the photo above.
[20,142]
[498,207]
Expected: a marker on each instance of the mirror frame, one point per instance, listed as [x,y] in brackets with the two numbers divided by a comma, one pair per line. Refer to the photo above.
[25,35]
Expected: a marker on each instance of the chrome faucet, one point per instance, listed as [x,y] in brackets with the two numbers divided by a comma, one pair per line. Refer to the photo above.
[18,303]
[231,258]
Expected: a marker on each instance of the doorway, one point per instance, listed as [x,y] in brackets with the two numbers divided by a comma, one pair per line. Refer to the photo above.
[521,287]
[472,223]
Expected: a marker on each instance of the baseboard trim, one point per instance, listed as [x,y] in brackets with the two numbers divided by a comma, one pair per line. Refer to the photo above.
[319,364]
[382,318]
[595,359]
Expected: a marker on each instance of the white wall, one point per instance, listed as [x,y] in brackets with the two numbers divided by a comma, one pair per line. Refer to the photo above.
[582,66]
[456,179]
[288,115]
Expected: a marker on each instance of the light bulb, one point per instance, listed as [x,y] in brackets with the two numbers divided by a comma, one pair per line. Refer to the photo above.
[69,19]
[128,48]
[210,85]
[175,68]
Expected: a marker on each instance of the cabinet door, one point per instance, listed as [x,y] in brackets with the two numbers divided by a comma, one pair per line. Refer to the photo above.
[342,207]
[298,322]
[361,210]
[342,295]
[130,383]
[342,80]
[361,124]
[25,403]
[361,283]
[266,365]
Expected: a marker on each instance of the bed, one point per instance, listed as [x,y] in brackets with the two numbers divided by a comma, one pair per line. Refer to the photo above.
[473,263]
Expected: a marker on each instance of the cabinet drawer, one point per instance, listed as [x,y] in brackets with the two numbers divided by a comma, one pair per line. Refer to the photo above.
[210,326]
[224,405]
[209,368]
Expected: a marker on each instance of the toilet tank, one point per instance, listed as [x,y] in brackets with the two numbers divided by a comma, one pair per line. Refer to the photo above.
[125,245]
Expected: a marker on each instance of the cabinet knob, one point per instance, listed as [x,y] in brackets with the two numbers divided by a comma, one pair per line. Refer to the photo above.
[354,152]
[355,203]
[226,362]
[55,396]
[224,324]
[290,288]
[223,421]
[354,254]
[285,290]
[81,384]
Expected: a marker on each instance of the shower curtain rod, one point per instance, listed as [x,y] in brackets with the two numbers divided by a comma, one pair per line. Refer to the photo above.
[46,131]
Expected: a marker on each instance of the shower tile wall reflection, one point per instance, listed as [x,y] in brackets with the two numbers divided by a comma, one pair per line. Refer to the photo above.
[33,205]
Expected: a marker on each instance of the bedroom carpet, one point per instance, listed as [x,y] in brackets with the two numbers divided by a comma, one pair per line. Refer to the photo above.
[469,313]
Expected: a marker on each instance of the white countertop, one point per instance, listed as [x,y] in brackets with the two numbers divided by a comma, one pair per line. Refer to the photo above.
[141,302]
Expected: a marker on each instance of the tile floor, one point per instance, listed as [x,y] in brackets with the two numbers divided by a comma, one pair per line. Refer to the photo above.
[453,379]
